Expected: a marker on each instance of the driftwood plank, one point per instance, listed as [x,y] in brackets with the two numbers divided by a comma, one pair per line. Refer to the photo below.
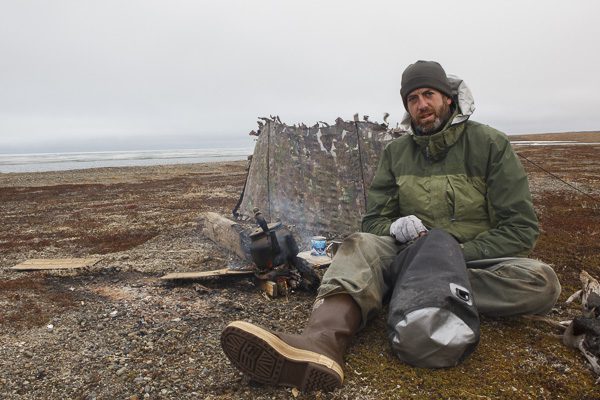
[38,264]
[207,274]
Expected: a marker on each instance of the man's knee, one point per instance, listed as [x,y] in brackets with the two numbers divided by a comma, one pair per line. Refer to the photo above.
[546,279]
[515,287]
[358,269]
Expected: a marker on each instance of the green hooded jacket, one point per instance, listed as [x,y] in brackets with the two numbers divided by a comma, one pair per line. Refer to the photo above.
[466,180]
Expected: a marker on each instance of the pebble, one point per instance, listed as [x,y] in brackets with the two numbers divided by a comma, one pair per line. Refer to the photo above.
[50,327]
[113,314]
[41,373]
[121,371]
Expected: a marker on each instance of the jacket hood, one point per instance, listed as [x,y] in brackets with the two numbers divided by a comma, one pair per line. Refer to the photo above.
[462,96]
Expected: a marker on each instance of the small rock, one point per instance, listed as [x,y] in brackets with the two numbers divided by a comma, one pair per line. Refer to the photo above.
[40,374]
[113,314]
[28,353]
[50,327]
[121,371]
[201,288]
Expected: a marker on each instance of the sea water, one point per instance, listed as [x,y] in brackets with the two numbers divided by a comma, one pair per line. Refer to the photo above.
[66,161]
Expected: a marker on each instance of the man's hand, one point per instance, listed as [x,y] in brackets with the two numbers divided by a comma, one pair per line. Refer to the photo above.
[408,228]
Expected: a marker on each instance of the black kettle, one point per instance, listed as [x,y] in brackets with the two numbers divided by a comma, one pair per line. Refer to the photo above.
[271,245]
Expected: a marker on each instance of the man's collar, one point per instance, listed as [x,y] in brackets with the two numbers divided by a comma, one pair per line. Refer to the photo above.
[434,147]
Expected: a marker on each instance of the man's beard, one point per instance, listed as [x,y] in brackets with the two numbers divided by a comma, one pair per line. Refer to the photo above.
[429,128]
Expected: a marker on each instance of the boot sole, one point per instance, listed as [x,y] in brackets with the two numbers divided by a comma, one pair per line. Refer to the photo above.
[267,359]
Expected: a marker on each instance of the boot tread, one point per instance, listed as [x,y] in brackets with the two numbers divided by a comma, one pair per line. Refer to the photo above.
[269,360]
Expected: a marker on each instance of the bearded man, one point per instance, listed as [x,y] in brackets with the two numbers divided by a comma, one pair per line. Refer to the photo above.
[450,196]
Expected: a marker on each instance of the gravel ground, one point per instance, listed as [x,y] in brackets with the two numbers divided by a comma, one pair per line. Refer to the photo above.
[116,331]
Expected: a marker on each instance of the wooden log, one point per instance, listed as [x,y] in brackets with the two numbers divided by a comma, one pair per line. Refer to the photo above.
[226,233]
[315,261]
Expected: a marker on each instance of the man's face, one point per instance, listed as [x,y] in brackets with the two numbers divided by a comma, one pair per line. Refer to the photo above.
[429,109]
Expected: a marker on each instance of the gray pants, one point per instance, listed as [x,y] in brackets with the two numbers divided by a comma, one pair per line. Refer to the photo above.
[501,287]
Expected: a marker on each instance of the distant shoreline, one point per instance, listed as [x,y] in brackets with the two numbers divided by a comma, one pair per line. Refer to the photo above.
[43,162]
[588,136]
[116,175]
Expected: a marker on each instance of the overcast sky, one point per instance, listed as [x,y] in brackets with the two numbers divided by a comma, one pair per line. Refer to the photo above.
[148,74]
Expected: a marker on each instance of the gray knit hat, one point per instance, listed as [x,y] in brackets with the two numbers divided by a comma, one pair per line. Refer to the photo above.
[424,74]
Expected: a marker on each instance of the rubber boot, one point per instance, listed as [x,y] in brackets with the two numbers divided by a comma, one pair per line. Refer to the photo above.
[310,361]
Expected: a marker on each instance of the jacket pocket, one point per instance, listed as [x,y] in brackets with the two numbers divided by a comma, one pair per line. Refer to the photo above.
[466,198]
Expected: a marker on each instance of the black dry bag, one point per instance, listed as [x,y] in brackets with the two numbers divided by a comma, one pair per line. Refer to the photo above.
[432,321]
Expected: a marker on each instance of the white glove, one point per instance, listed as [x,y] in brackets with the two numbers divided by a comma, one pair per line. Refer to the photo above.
[408,228]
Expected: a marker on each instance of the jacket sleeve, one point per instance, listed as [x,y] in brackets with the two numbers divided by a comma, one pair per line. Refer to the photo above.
[382,199]
[515,225]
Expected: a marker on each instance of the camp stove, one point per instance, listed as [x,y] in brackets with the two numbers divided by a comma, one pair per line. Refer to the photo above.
[274,252]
